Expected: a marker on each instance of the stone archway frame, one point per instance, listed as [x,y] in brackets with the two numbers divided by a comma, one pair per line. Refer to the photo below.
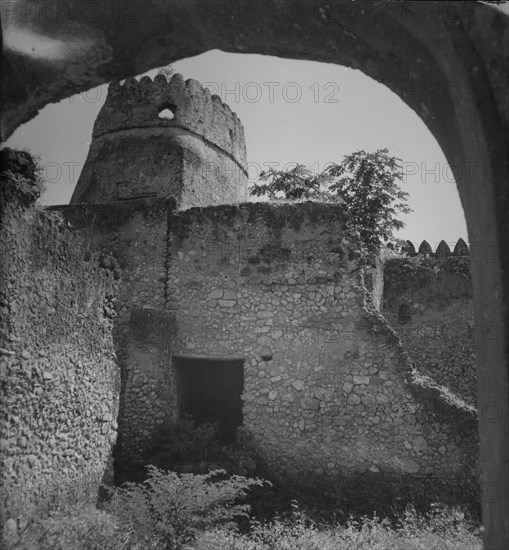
[446,60]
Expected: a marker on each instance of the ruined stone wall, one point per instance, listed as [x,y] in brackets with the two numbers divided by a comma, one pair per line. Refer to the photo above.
[328,387]
[136,234]
[428,301]
[60,382]
[198,156]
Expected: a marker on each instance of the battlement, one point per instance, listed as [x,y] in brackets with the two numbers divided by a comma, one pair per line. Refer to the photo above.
[160,138]
[147,103]
[443,250]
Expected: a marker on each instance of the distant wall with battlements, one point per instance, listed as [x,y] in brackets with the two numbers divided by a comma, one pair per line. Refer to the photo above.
[165,139]
[428,301]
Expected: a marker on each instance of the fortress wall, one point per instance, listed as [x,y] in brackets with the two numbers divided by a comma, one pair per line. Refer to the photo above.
[136,104]
[428,301]
[155,162]
[198,156]
[132,164]
[328,389]
[135,233]
[60,382]
[211,177]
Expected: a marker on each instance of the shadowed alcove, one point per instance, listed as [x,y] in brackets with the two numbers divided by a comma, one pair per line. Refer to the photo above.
[209,391]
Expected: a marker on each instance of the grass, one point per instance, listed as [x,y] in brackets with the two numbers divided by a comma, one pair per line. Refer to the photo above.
[442,529]
[87,528]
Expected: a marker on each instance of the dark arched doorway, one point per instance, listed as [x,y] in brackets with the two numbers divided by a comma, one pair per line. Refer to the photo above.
[210,392]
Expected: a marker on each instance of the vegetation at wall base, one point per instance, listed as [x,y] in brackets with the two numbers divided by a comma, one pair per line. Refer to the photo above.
[443,529]
[185,448]
[225,511]
[162,516]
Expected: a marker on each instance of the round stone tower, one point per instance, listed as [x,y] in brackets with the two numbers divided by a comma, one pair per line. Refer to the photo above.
[164,139]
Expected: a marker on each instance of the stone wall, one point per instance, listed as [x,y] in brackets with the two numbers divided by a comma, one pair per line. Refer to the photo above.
[136,234]
[60,382]
[198,156]
[428,301]
[328,387]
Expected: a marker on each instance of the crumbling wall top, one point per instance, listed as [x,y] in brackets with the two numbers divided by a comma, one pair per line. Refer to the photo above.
[151,103]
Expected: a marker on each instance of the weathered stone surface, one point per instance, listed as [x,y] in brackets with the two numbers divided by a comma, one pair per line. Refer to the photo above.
[461,248]
[425,248]
[266,354]
[310,403]
[229,295]
[59,397]
[227,303]
[301,387]
[443,250]
[353,399]
[264,314]
[420,444]
[407,466]
[438,333]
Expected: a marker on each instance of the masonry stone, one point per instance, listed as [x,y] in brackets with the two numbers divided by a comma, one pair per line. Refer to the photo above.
[60,383]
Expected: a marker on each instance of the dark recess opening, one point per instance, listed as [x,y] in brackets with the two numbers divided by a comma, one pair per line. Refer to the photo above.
[404,313]
[210,391]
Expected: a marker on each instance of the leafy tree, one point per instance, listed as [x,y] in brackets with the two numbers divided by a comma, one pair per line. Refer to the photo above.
[295,184]
[366,184]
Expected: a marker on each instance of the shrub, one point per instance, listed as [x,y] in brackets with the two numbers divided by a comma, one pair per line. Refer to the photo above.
[164,512]
[172,508]
[80,528]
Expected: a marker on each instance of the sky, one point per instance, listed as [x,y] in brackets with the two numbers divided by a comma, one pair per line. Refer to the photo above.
[292,111]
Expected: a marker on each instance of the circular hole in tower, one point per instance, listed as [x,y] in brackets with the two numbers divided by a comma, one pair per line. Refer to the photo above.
[167,111]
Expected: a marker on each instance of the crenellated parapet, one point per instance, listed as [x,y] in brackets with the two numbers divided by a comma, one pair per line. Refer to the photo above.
[442,249]
[165,139]
[150,103]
